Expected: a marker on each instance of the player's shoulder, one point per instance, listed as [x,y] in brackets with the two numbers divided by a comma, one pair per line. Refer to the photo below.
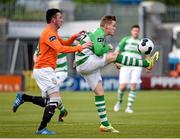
[98,30]
[126,37]
[49,34]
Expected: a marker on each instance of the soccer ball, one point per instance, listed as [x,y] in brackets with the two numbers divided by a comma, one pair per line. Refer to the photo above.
[145,46]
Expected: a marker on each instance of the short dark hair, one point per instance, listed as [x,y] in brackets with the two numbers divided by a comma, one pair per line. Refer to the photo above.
[50,13]
[107,20]
[135,26]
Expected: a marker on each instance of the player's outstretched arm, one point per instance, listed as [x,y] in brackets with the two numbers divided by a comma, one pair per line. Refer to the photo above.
[72,38]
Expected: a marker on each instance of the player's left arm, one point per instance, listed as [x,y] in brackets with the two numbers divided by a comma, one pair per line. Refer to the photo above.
[70,40]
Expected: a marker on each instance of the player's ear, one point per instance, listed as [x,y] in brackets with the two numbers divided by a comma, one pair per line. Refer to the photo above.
[53,20]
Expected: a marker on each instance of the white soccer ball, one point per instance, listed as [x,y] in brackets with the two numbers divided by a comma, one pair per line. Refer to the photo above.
[145,46]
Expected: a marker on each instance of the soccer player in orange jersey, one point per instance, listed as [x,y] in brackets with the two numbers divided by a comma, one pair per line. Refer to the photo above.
[50,44]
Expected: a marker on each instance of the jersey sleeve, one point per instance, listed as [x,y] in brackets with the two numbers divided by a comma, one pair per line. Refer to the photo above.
[122,44]
[99,46]
[69,41]
[51,39]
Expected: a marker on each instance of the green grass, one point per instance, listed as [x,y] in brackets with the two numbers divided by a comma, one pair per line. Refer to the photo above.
[157,115]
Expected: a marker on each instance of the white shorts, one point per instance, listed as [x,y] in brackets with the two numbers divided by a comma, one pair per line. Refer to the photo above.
[61,76]
[46,80]
[128,75]
[90,70]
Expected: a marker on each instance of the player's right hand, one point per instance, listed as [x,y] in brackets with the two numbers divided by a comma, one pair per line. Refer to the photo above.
[117,65]
[87,44]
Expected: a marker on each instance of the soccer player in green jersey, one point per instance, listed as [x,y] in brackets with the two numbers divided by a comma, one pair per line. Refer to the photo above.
[129,75]
[90,61]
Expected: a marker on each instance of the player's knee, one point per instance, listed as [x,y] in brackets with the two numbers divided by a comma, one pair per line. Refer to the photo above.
[54,101]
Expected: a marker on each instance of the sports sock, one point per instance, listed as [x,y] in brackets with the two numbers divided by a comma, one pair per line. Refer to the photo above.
[48,113]
[129,61]
[62,109]
[35,100]
[101,109]
[61,106]
[131,98]
[120,95]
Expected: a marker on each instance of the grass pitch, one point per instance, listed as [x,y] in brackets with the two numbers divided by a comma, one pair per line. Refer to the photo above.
[157,115]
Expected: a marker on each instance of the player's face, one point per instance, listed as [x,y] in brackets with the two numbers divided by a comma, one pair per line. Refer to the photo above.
[58,20]
[135,32]
[111,28]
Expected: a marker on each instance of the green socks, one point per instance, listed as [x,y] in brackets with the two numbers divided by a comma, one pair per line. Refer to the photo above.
[129,61]
[101,109]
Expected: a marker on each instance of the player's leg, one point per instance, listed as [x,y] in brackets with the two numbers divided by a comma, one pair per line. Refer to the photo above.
[21,97]
[92,64]
[101,109]
[131,98]
[60,77]
[129,61]
[54,102]
[90,70]
[124,79]
[120,94]
[95,82]
[135,80]
[46,80]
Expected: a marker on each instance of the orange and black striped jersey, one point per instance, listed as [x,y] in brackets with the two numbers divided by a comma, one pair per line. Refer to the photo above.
[50,44]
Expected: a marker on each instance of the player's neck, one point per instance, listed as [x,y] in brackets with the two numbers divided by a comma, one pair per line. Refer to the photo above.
[104,29]
[53,27]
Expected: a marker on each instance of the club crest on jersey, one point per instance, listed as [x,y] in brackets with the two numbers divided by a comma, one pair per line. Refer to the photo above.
[54,81]
[52,38]
[100,39]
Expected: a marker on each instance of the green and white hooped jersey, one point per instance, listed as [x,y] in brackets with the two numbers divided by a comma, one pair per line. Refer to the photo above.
[128,46]
[99,47]
[61,62]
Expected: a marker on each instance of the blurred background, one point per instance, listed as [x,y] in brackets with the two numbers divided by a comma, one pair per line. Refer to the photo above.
[21,22]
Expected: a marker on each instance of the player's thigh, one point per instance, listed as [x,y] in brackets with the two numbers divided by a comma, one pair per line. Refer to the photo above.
[136,75]
[92,64]
[93,79]
[46,80]
[125,75]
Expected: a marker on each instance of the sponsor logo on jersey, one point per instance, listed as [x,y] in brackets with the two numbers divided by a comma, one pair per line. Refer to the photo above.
[100,39]
[52,38]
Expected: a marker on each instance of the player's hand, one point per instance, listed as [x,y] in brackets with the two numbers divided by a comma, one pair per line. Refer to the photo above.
[117,65]
[87,44]
[79,34]
[111,47]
